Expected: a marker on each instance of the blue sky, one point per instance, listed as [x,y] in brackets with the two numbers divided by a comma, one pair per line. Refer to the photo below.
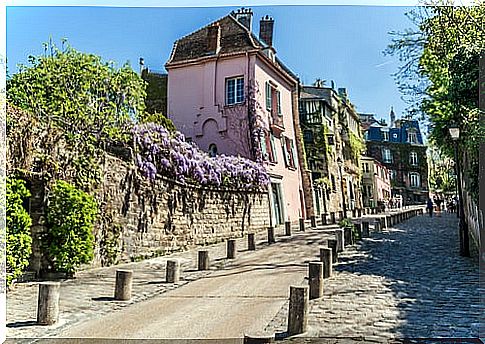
[340,43]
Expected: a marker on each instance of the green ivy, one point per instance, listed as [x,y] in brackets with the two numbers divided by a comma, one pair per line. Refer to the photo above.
[19,240]
[71,214]
[357,145]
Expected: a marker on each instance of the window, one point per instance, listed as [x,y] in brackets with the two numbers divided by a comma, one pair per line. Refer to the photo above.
[234,90]
[413,158]
[212,150]
[267,147]
[334,186]
[288,152]
[387,155]
[385,135]
[412,136]
[414,179]
[330,139]
[273,99]
[308,136]
[365,167]
[392,174]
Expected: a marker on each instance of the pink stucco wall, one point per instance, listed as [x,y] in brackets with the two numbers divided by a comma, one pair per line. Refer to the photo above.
[196,105]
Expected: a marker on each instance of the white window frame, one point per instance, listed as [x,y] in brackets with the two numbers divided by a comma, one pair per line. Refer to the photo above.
[385,135]
[238,90]
[413,158]
[414,180]
[386,155]
[412,136]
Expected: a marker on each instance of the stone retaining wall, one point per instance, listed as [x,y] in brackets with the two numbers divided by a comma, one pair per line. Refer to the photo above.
[154,219]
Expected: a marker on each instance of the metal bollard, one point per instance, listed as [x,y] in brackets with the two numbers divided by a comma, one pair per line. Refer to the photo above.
[172,274]
[365,229]
[302,225]
[203,262]
[287,228]
[124,281]
[231,249]
[251,242]
[48,303]
[324,219]
[333,220]
[298,310]
[377,226]
[271,238]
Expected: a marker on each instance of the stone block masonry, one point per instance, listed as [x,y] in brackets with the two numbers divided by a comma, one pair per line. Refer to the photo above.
[166,216]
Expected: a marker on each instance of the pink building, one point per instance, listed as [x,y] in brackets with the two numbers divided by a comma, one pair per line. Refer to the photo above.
[229,93]
[376,182]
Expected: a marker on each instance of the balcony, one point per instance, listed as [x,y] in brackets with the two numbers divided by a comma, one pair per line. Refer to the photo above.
[276,125]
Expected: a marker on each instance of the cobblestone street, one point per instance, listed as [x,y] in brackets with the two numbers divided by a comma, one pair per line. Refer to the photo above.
[407,282]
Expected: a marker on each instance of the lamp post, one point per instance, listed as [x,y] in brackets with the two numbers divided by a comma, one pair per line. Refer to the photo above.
[463,228]
[344,206]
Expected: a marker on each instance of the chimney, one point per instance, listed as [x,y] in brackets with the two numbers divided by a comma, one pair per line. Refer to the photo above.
[266,30]
[213,38]
[392,115]
[245,17]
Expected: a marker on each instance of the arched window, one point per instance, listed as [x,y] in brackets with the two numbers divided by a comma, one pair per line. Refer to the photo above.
[212,150]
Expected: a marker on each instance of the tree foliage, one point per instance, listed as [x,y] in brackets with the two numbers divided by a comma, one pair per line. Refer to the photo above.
[439,76]
[71,215]
[19,240]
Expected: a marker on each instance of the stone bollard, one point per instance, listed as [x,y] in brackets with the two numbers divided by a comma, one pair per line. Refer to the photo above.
[377,226]
[203,260]
[339,236]
[326,259]
[302,225]
[298,310]
[332,218]
[287,228]
[124,281]
[271,238]
[315,279]
[332,243]
[313,220]
[231,249]
[172,274]
[259,339]
[365,229]
[251,242]
[48,303]
[324,219]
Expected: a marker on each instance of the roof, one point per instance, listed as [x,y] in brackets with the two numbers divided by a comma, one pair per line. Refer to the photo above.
[234,38]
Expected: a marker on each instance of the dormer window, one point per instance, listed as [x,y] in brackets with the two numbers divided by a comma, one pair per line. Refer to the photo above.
[385,135]
[412,136]
[234,90]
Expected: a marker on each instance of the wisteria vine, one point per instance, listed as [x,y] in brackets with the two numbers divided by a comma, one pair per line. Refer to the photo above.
[159,152]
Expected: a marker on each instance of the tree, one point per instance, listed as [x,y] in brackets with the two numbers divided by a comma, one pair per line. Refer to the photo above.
[439,76]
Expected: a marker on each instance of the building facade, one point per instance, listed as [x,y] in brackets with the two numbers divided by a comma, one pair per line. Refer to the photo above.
[332,138]
[376,184]
[229,93]
[399,147]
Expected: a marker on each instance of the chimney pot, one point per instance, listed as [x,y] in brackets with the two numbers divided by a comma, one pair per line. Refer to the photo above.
[245,17]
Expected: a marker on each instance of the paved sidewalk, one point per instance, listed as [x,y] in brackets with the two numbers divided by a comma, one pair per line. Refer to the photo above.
[89,296]
[406,282]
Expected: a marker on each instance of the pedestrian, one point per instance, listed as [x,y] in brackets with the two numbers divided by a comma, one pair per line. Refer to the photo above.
[438,202]
[429,207]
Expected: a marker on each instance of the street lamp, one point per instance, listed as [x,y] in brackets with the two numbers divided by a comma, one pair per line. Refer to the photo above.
[344,206]
[463,228]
